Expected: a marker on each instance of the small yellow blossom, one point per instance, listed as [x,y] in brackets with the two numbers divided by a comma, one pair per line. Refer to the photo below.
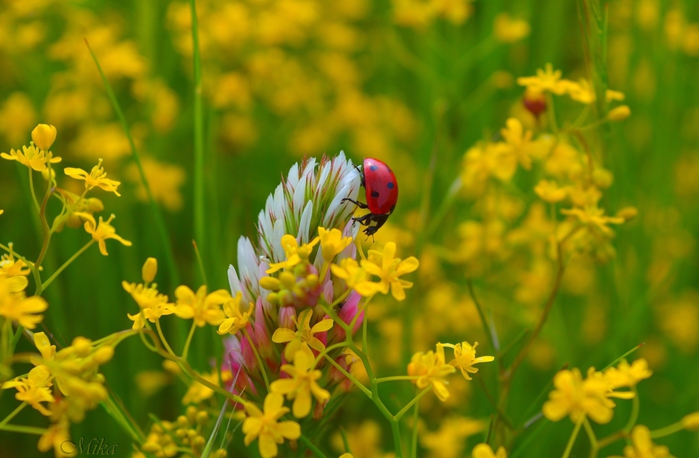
[197,392]
[44,135]
[448,441]
[32,157]
[102,231]
[153,304]
[508,30]
[34,389]
[16,307]
[484,451]
[302,339]
[203,307]
[149,270]
[625,375]
[265,427]
[643,447]
[619,113]
[546,80]
[593,217]
[431,369]
[465,358]
[332,243]
[549,191]
[575,397]
[236,318]
[15,271]
[96,178]
[355,277]
[295,254]
[691,422]
[389,269]
[58,434]
[75,205]
[519,141]
[302,384]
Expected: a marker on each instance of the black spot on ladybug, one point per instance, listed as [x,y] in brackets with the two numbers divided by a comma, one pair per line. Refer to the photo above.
[390,185]
[374,194]
[373,168]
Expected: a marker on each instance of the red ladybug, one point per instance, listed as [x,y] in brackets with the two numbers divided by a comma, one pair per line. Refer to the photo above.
[381,188]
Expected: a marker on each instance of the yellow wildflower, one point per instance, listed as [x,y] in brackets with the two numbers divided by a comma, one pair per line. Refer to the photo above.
[295,254]
[389,269]
[203,307]
[619,113]
[265,427]
[546,80]
[508,30]
[198,392]
[34,389]
[465,358]
[643,447]
[355,277]
[102,231]
[75,205]
[16,307]
[484,451]
[44,135]
[628,375]
[448,441]
[332,243]
[519,141]
[575,397]
[58,435]
[17,114]
[96,178]
[593,217]
[14,271]
[153,304]
[236,319]
[302,339]
[303,383]
[549,191]
[431,369]
[164,180]
[32,157]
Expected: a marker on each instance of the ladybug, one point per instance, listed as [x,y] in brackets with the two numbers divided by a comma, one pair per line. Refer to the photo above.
[381,192]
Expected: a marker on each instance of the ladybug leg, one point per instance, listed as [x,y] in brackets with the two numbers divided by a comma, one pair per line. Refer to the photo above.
[364,220]
[358,204]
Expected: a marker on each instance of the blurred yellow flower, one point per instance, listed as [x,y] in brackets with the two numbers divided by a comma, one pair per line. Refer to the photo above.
[625,375]
[32,157]
[96,177]
[153,304]
[549,191]
[593,217]
[484,451]
[197,392]
[691,422]
[303,338]
[431,369]
[33,389]
[17,116]
[546,80]
[302,384]
[202,307]
[642,446]
[508,30]
[519,141]
[389,269]
[265,427]
[149,270]
[16,307]
[619,113]
[165,182]
[102,231]
[44,135]
[448,440]
[14,271]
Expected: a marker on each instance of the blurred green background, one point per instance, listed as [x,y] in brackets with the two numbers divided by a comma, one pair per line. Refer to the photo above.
[414,83]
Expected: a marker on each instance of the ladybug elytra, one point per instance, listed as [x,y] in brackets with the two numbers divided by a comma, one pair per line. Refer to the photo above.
[381,192]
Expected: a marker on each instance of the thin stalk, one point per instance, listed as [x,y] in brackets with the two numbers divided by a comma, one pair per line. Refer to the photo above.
[199,200]
[593,438]
[13,414]
[413,441]
[263,370]
[48,281]
[24,429]
[351,378]
[188,342]
[571,441]
[31,189]
[155,209]
[407,407]
[308,443]
[397,377]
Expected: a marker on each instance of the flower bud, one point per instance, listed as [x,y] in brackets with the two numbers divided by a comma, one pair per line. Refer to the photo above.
[103,354]
[171,367]
[619,113]
[691,421]
[82,346]
[602,178]
[150,268]
[628,213]
[44,135]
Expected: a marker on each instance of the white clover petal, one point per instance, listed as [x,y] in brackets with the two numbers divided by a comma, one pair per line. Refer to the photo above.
[233,281]
[305,223]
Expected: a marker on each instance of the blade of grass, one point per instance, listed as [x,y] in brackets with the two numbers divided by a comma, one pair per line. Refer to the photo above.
[198,139]
[155,209]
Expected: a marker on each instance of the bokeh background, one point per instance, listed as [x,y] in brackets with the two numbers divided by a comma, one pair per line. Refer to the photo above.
[412,82]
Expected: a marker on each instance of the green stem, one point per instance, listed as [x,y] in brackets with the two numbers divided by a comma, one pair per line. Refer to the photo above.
[163,339]
[551,113]
[666,431]
[593,438]
[155,210]
[308,443]
[635,407]
[396,377]
[407,407]
[484,321]
[24,429]
[573,436]
[188,342]
[413,441]
[31,189]
[199,202]
[263,369]
[13,414]
[65,264]
[352,379]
